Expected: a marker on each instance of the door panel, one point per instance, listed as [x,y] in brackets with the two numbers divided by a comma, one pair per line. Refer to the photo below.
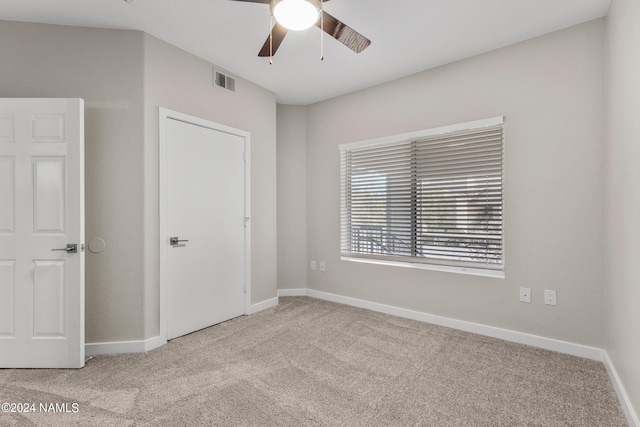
[48,128]
[49,194]
[6,128]
[7,292]
[7,194]
[205,205]
[42,211]
[48,298]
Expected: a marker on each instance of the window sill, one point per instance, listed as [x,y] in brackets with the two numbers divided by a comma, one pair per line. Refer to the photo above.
[434,267]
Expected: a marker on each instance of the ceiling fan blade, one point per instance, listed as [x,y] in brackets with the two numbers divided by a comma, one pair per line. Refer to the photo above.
[278,32]
[344,33]
[255,1]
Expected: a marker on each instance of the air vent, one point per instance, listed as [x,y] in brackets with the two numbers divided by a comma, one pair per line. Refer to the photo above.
[224,81]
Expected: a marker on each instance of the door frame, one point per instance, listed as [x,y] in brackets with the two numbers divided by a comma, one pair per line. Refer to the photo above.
[164,115]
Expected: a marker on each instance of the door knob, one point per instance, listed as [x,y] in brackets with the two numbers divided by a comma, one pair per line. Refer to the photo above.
[71,248]
[175,241]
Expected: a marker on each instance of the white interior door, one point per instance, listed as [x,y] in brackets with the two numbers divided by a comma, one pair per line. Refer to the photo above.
[41,218]
[205,184]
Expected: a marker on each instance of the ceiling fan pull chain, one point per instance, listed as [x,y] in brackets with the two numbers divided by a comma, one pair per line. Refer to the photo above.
[271,40]
[321,30]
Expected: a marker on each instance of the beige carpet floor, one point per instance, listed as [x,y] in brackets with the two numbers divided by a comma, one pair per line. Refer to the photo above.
[309,362]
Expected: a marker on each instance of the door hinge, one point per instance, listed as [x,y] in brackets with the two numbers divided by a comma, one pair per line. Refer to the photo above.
[246,220]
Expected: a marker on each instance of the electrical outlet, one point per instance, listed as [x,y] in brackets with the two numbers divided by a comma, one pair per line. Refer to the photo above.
[323,266]
[313,264]
[550,297]
[525,294]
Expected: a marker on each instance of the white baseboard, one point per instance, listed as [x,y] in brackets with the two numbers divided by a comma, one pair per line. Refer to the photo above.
[254,308]
[300,292]
[623,397]
[593,353]
[476,328]
[142,346]
[579,350]
[118,347]
[93,349]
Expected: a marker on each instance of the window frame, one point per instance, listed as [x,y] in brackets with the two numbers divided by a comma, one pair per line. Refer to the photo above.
[429,263]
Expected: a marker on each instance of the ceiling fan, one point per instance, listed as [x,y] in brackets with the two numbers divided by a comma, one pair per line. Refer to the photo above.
[290,14]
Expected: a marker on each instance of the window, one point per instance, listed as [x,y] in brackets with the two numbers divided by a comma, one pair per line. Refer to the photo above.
[432,197]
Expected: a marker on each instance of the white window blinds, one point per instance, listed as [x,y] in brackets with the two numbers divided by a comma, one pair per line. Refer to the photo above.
[435,198]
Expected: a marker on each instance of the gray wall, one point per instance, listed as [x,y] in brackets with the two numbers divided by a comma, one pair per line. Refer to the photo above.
[551,91]
[124,76]
[292,200]
[179,81]
[622,203]
[105,68]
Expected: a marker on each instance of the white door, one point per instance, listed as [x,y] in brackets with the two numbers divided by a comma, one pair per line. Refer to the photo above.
[41,219]
[205,174]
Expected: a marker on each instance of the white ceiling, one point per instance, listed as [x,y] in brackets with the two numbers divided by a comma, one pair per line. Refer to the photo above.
[406,36]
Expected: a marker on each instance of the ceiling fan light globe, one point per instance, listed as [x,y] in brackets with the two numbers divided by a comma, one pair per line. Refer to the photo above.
[296,15]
